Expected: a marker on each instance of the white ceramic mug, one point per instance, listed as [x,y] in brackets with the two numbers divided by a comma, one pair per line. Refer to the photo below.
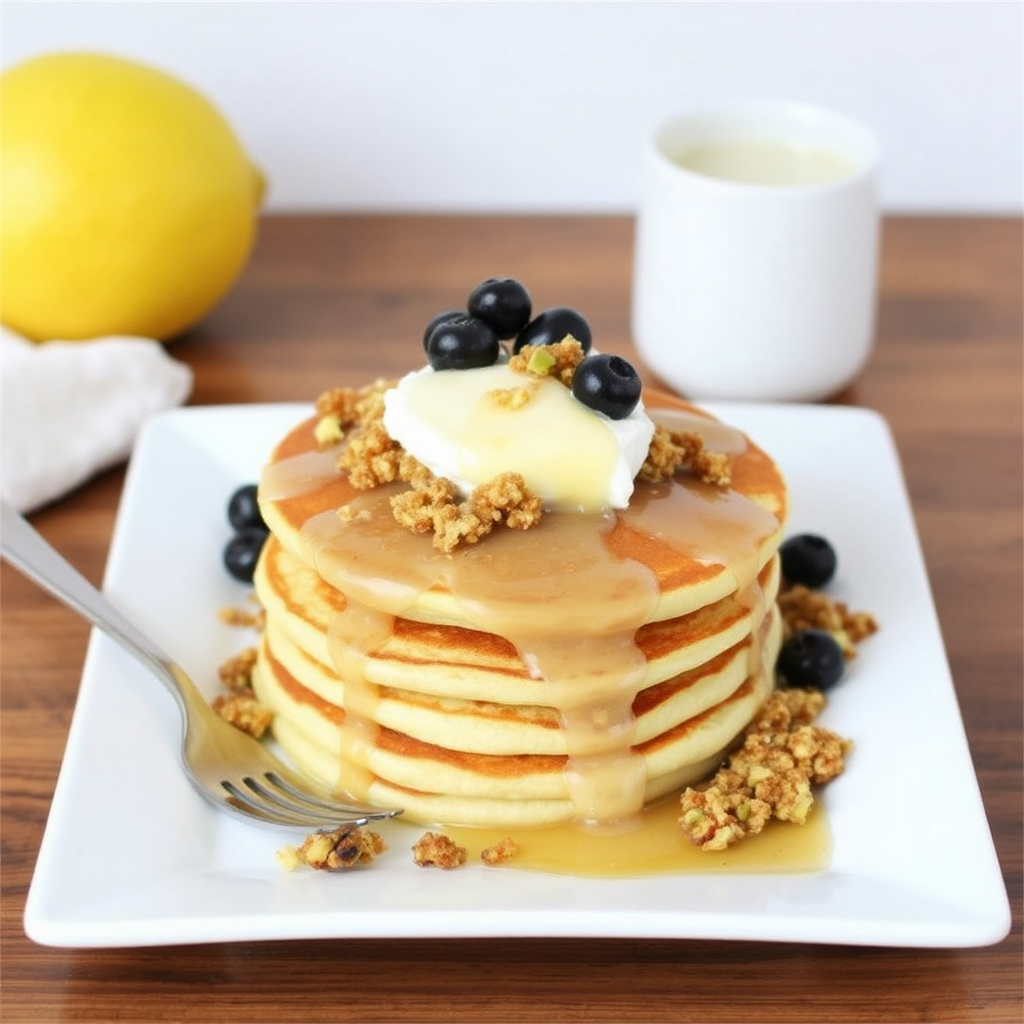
[755,269]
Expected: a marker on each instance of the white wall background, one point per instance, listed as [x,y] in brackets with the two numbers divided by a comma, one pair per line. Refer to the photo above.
[538,106]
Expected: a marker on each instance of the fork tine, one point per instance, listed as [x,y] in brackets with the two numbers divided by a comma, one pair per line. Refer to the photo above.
[322,815]
[240,807]
[288,794]
[252,801]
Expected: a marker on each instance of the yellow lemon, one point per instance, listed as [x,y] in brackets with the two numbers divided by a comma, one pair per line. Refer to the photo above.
[127,204]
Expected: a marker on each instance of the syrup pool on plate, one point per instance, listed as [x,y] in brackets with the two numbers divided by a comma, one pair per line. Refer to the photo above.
[655,845]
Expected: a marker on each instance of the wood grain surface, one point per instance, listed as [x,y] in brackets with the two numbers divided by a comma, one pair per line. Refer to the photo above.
[339,300]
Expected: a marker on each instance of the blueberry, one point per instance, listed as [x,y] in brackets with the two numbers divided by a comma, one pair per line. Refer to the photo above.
[244,509]
[448,314]
[811,658]
[502,303]
[551,326]
[607,384]
[808,559]
[462,343]
[242,552]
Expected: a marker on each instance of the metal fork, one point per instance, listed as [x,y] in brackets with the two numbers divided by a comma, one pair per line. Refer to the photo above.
[230,769]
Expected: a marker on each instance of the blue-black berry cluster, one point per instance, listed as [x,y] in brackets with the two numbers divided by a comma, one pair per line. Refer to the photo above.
[810,658]
[250,532]
[499,310]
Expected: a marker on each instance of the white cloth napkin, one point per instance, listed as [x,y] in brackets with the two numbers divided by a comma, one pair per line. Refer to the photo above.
[71,409]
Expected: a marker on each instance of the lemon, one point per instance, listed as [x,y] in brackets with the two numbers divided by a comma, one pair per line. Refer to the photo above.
[127,204]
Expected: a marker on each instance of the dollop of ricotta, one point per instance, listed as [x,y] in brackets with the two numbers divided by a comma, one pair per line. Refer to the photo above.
[471,425]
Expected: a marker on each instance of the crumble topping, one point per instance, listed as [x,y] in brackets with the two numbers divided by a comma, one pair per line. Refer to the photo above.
[236,672]
[436,850]
[770,776]
[345,407]
[559,360]
[371,457]
[804,608]
[240,707]
[242,710]
[501,852]
[512,398]
[334,849]
[253,619]
[673,450]
[435,506]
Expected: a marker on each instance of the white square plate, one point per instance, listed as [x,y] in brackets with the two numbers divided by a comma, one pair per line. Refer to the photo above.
[132,856]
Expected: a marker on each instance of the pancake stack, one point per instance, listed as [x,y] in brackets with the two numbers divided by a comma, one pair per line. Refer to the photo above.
[574,670]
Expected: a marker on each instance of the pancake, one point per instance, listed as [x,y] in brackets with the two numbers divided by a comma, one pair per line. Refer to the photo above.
[482,726]
[456,662]
[575,669]
[438,783]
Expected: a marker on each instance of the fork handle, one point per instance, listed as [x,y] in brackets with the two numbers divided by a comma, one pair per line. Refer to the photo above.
[26,549]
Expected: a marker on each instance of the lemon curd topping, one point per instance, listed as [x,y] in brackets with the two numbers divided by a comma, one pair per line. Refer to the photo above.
[470,425]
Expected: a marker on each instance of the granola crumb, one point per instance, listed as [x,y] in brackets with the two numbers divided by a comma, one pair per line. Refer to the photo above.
[371,456]
[770,776]
[804,608]
[236,672]
[334,849]
[563,358]
[501,852]
[673,450]
[241,709]
[436,850]
[511,398]
[243,617]
[337,409]
[507,498]
[353,405]
[348,514]
[433,505]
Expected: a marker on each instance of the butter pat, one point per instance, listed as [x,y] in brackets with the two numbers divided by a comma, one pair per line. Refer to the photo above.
[471,425]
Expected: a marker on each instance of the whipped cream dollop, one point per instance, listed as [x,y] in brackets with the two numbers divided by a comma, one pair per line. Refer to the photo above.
[471,425]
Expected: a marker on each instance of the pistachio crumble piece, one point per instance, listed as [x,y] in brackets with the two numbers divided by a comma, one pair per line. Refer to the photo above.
[436,850]
[236,672]
[338,849]
[782,756]
[512,398]
[241,709]
[501,852]
[559,360]
[672,450]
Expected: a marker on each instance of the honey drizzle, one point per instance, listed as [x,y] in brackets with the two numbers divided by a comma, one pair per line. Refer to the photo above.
[354,631]
[298,474]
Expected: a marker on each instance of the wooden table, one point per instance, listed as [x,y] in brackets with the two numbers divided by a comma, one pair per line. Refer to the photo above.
[337,300]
